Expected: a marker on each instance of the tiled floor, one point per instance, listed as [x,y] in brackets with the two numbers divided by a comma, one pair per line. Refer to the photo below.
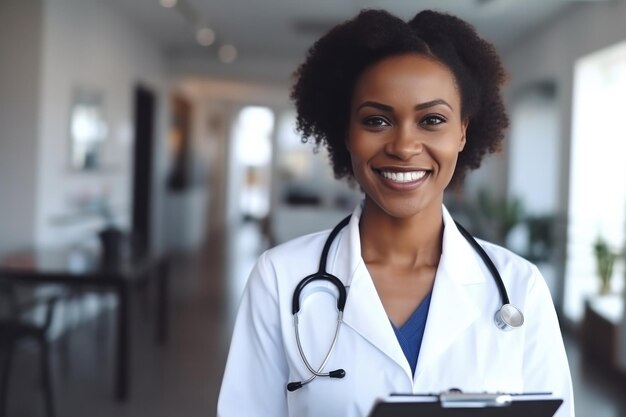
[182,378]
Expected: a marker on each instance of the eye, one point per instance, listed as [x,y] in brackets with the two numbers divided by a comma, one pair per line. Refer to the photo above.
[375,121]
[433,120]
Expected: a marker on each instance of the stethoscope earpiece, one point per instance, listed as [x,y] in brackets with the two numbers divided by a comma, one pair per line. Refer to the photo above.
[337,373]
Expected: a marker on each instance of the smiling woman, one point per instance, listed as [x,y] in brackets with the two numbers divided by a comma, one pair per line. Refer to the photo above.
[405,133]
[404,110]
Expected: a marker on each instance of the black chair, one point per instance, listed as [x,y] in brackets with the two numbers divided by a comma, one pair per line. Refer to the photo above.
[14,330]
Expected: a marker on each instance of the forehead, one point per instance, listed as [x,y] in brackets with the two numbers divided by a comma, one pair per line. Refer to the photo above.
[407,78]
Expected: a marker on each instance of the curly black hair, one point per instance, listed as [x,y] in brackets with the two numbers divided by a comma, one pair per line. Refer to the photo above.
[325,81]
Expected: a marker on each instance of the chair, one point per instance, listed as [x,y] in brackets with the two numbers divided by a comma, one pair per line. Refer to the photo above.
[13,330]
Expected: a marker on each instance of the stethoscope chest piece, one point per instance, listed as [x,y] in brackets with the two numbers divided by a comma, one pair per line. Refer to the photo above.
[508,317]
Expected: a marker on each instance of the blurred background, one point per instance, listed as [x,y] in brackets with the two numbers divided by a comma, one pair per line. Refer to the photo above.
[141,133]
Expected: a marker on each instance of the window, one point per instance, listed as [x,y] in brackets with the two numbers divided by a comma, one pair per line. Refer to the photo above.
[597,202]
[250,171]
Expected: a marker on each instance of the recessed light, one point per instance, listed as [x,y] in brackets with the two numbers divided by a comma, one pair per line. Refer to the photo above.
[227,53]
[205,36]
[169,3]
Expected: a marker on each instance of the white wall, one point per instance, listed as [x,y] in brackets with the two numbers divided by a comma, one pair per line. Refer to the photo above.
[87,44]
[20,48]
[533,171]
[534,165]
[549,54]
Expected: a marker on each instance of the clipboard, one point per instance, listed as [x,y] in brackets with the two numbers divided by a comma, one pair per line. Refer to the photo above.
[459,404]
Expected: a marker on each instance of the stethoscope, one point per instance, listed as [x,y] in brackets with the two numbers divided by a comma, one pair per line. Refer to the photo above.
[506,318]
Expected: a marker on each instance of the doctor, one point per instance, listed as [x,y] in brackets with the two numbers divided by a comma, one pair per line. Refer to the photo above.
[404,109]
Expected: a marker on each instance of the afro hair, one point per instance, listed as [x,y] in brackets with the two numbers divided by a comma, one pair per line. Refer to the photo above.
[325,81]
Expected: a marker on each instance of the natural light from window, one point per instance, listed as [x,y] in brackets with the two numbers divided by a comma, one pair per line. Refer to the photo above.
[597,203]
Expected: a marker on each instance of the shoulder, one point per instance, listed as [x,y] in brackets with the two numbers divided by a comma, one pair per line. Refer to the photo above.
[299,246]
[518,273]
[506,259]
[292,260]
[301,253]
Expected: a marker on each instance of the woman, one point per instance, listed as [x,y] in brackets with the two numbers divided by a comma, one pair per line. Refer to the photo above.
[404,110]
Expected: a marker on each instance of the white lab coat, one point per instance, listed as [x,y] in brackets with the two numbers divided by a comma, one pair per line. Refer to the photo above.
[461,348]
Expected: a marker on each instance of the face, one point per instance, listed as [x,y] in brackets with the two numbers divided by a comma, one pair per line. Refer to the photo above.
[405,133]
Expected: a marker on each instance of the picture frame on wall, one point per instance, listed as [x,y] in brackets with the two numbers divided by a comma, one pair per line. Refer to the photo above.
[88,129]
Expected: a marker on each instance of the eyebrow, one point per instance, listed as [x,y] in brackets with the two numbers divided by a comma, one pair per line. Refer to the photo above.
[421,106]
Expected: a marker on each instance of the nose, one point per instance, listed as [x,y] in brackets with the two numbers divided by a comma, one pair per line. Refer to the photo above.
[404,143]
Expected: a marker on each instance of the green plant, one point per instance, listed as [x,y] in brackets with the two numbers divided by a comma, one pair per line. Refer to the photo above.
[605,259]
[499,214]
[540,237]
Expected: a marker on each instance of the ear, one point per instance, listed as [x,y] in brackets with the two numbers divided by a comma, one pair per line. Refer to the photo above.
[464,125]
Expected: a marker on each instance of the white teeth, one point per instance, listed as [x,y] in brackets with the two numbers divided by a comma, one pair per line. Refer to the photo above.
[403,176]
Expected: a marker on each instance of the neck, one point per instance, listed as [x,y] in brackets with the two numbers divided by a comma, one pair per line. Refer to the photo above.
[411,241]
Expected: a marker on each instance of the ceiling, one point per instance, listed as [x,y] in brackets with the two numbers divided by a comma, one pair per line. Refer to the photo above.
[272,36]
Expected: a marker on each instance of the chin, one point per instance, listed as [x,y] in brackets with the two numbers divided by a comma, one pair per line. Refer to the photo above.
[404,209]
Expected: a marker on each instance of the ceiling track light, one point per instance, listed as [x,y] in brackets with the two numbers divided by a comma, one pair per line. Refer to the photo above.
[169,3]
[205,36]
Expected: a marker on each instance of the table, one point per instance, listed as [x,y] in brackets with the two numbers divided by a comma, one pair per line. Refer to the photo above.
[600,330]
[82,270]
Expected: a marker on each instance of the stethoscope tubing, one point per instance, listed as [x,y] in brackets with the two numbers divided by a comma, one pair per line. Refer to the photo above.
[321,273]
[488,262]
[506,318]
[317,372]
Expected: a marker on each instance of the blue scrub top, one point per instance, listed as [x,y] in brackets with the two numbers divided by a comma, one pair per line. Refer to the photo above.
[411,333]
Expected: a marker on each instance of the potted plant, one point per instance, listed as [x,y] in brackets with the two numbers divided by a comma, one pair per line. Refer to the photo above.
[540,237]
[498,216]
[599,330]
[605,259]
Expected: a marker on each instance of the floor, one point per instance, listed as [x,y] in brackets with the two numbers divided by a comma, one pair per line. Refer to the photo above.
[183,377]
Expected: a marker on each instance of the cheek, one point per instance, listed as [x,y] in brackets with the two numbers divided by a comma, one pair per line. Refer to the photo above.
[358,147]
[352,154]
[349,140]
[447,155]
[359,154]
[357,161]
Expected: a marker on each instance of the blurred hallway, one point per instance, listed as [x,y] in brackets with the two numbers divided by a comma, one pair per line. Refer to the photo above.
[223,139]
[183,377]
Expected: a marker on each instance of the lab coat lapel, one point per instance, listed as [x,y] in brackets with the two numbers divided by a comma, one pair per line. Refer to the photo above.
[366,315]
[451,311]
[364,312]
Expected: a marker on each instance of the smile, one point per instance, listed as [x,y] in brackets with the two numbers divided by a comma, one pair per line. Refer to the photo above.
[404,177]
